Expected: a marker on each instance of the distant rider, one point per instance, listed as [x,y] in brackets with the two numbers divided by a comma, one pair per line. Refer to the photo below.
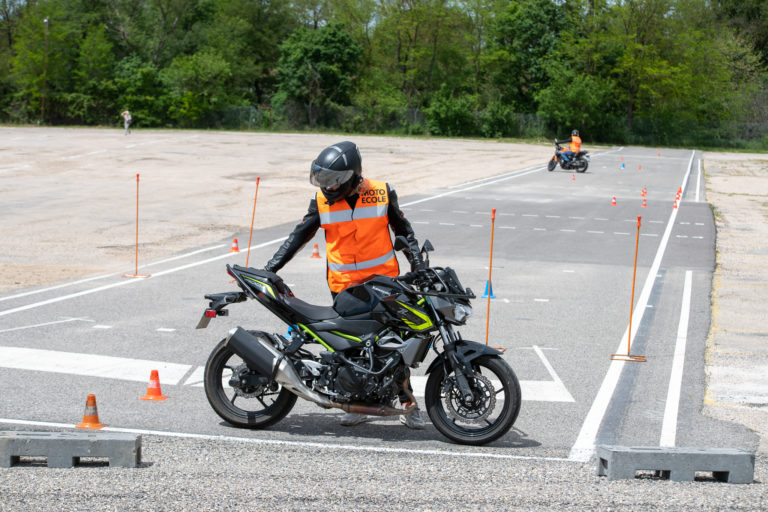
[575,146]
[356,214]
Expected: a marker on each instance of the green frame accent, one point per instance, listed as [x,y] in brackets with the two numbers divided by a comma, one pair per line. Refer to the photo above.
[316,337]
[347,336]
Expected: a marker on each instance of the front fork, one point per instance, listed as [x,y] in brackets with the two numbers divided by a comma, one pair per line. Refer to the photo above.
[461,369]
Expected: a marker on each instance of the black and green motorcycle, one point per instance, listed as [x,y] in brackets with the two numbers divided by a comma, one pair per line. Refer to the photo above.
[364,347]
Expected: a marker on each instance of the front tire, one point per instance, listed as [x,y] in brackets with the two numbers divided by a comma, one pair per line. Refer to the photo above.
[489,417]
[551,164]
[259,404]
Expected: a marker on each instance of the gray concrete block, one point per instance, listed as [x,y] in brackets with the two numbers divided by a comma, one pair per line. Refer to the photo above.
[679,463]
[64,449]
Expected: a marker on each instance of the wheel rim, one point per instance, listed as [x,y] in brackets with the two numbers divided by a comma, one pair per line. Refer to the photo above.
[243,401]
[493,403]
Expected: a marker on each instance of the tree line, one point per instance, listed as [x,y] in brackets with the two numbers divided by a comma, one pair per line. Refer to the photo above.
[685,72]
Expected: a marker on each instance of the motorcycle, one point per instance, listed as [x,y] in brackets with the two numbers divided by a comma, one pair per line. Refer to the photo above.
[578,162]
[365,345]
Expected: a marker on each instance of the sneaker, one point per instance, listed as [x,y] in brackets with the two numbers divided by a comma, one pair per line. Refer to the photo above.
[350,419]
[413,420]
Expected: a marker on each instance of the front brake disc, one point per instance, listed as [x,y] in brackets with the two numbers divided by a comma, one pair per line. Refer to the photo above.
[479,409]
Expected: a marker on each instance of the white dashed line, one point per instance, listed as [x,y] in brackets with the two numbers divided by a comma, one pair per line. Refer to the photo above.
[476,225]
[569,271]
[539,229]
[577,218]
[102,326]
[458,211]
[530,215]
[506,227]
[597,232]
[447,224]
[568,230]
[620,233]
[419,222]
[648,234]
[541,300]
[600,218]
[165,329]
[553,216]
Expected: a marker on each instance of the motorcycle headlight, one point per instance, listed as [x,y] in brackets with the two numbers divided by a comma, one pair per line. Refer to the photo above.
[461,312]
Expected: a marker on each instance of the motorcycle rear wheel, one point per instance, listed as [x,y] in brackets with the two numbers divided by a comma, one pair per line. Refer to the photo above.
[269,403]
[486,419]
[583,164]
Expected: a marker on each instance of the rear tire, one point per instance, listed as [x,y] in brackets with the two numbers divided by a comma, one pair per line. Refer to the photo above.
[486,419]
[268,403]
[583,164]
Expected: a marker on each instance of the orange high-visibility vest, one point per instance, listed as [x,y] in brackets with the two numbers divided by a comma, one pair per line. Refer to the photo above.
[357,242]
[575,144]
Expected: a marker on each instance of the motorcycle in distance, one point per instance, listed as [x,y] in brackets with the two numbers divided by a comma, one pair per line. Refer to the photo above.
[578,162]
[363,349]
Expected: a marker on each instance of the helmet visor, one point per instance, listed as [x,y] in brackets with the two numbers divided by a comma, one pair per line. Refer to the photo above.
[327,178]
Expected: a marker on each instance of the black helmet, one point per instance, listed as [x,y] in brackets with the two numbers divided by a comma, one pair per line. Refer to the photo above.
[340,164]
[575,133]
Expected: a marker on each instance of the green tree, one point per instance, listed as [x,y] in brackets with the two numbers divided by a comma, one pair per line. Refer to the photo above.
[317,68]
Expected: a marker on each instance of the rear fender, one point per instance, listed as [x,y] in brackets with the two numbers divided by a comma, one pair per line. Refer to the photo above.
[467,351]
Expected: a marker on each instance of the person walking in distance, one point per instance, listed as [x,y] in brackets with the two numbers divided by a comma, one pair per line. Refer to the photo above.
[357,214]
[126,121]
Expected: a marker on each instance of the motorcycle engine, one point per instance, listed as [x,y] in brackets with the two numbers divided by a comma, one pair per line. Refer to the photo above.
[350,383]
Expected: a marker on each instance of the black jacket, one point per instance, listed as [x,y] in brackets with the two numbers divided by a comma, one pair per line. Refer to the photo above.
[306,229]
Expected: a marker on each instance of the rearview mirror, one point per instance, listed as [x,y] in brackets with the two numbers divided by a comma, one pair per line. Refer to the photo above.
[427,246]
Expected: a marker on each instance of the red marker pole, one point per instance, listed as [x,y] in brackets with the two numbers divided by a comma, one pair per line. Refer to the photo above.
[136,261]
[490,268]
[253,216]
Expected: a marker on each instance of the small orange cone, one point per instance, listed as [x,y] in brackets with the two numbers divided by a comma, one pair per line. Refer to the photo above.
[234,248]
[639,167]
[573,177]
[674,206]
[153,390]
[613,202]
[644,204]
[91,415]
[644,192]
[315,252]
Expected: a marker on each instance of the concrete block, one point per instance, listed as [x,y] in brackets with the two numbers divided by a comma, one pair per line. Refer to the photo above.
[678,463]
[64,449]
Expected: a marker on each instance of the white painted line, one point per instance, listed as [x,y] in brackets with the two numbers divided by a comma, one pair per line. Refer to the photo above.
[577,218]
[298,444]
[516,174]
[47,323]
[447,224]
[553,216]
[698,237]
[196,377]
[649,234]
[476,225]
[90,365]
[685,223]
[419,222]
[165,329]
[698,182]
[681,236]
[530,215]
[458,211]
[426,210]
[539,229]
[99,326]
[569,271]
[620,233]
[506,227]
[126,282]
[568,230]
[597,232]
[508,214]
[540,300]
[584,446]
[669,425]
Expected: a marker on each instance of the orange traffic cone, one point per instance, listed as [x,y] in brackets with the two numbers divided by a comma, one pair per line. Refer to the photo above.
[644,204]
[573,177]
[153,390]
[639,167]
[91,415]
[315,252]
[674,206]
[613,202]
[234,248]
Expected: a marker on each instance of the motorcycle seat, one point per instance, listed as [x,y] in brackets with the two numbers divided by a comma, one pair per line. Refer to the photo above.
[310,311]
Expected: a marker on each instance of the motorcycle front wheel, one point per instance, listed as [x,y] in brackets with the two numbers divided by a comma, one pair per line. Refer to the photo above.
[551,164]
[491,414]
[241,396]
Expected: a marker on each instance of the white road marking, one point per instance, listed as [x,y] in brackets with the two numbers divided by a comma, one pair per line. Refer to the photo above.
[447,224]
[569,271]
[506,227]
[568,230]
[539,229]
[577,218]
[584,446]
[165,329]
[126,282]
[553,216]
[99,326]
[530,215]
[648,234]
[47,323]
[599,218]
[299,444]
[620,233]
[597,232]
[540,300]
[90,365]
[698,182]
[669,425]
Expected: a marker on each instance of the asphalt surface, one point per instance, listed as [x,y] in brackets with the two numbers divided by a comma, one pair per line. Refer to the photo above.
[562,275]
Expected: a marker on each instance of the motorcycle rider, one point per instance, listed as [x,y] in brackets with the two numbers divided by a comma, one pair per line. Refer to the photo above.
[357,214]
[575,145]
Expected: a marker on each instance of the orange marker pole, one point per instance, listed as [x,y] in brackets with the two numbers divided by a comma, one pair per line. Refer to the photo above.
[136,260]
[629,357]
[253,216]
[490,268]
